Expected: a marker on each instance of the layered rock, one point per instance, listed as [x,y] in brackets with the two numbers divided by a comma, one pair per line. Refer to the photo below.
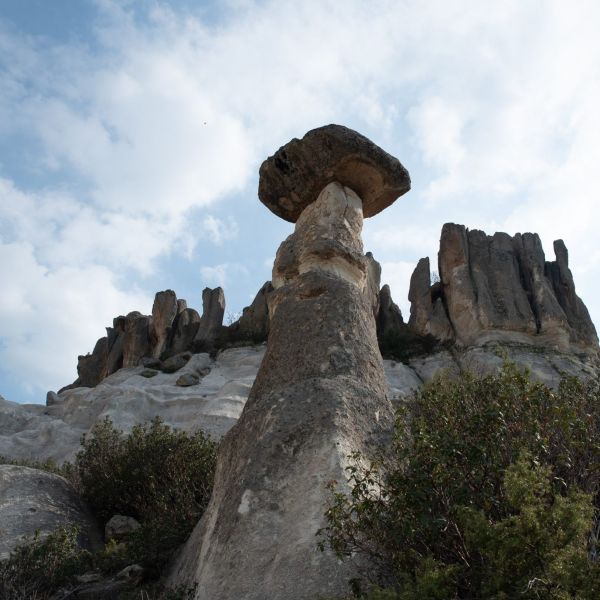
[320,394]
[37,501]
[500,288]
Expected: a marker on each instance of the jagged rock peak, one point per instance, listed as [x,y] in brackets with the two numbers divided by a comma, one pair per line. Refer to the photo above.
[500,288]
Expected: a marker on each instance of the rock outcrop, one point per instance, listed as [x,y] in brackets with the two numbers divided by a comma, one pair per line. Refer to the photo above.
[172,328]
[164,311]
[253,325]
[500,289]
[320,393]
[37,501]
[213,309]
[295,175]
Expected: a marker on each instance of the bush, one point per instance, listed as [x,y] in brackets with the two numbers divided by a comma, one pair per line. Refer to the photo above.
[38,568]
[161,477]
[489,491]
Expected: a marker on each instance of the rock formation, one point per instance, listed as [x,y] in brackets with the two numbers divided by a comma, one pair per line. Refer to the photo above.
[500,289]
[320,392]
[32,500]
[209,327]
[172,328]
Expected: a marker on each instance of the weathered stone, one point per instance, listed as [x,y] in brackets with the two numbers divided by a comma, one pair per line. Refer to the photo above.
[91,368]
[373,283]
[320,393]
[253,325]
[427,312]
[500,289]
[116,338]
[90,577]
[131,573]
[32,500]
[295,175]
[174,363]
[211,322]
[583,331]
[52,398]
[188,379]
[148,373]
[185,328]
[136,343]
[164,311]
[151,363]
[119,527]
[389,317]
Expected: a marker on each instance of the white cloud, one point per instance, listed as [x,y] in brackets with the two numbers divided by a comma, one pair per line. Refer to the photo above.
[220,275]
[218,230]
[48,317]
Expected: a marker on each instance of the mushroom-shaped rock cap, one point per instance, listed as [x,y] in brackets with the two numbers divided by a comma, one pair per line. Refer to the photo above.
[294,176]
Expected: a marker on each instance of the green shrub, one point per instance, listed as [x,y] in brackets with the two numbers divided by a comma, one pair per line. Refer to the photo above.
[488,492]
[161,477]
[41,566]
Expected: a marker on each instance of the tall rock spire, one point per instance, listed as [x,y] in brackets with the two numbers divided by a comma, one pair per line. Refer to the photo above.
[320,393]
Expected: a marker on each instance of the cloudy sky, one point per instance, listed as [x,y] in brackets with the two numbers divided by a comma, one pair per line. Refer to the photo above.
[131,133]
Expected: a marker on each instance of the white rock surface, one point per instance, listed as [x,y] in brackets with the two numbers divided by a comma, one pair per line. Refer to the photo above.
[32,431]
[37,432]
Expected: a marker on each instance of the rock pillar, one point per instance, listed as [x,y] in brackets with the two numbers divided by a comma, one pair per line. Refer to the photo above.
[319,395]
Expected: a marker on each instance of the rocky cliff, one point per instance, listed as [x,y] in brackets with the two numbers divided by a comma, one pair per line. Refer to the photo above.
[500,288]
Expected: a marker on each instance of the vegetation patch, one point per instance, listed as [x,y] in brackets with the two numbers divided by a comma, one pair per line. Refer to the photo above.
[161,477]
[489,491]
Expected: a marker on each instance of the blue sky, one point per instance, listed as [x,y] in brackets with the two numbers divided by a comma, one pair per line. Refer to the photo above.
[131,134]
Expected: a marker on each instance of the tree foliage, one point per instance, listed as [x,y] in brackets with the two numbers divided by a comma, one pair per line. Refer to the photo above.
[489,491]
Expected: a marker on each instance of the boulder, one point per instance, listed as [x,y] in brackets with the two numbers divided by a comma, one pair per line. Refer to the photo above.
[52,398]
[295,175]
[32,500]
[174,363]
[187,379]
[119,527]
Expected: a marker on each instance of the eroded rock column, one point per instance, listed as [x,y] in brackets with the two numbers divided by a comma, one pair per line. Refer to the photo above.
[320,394]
